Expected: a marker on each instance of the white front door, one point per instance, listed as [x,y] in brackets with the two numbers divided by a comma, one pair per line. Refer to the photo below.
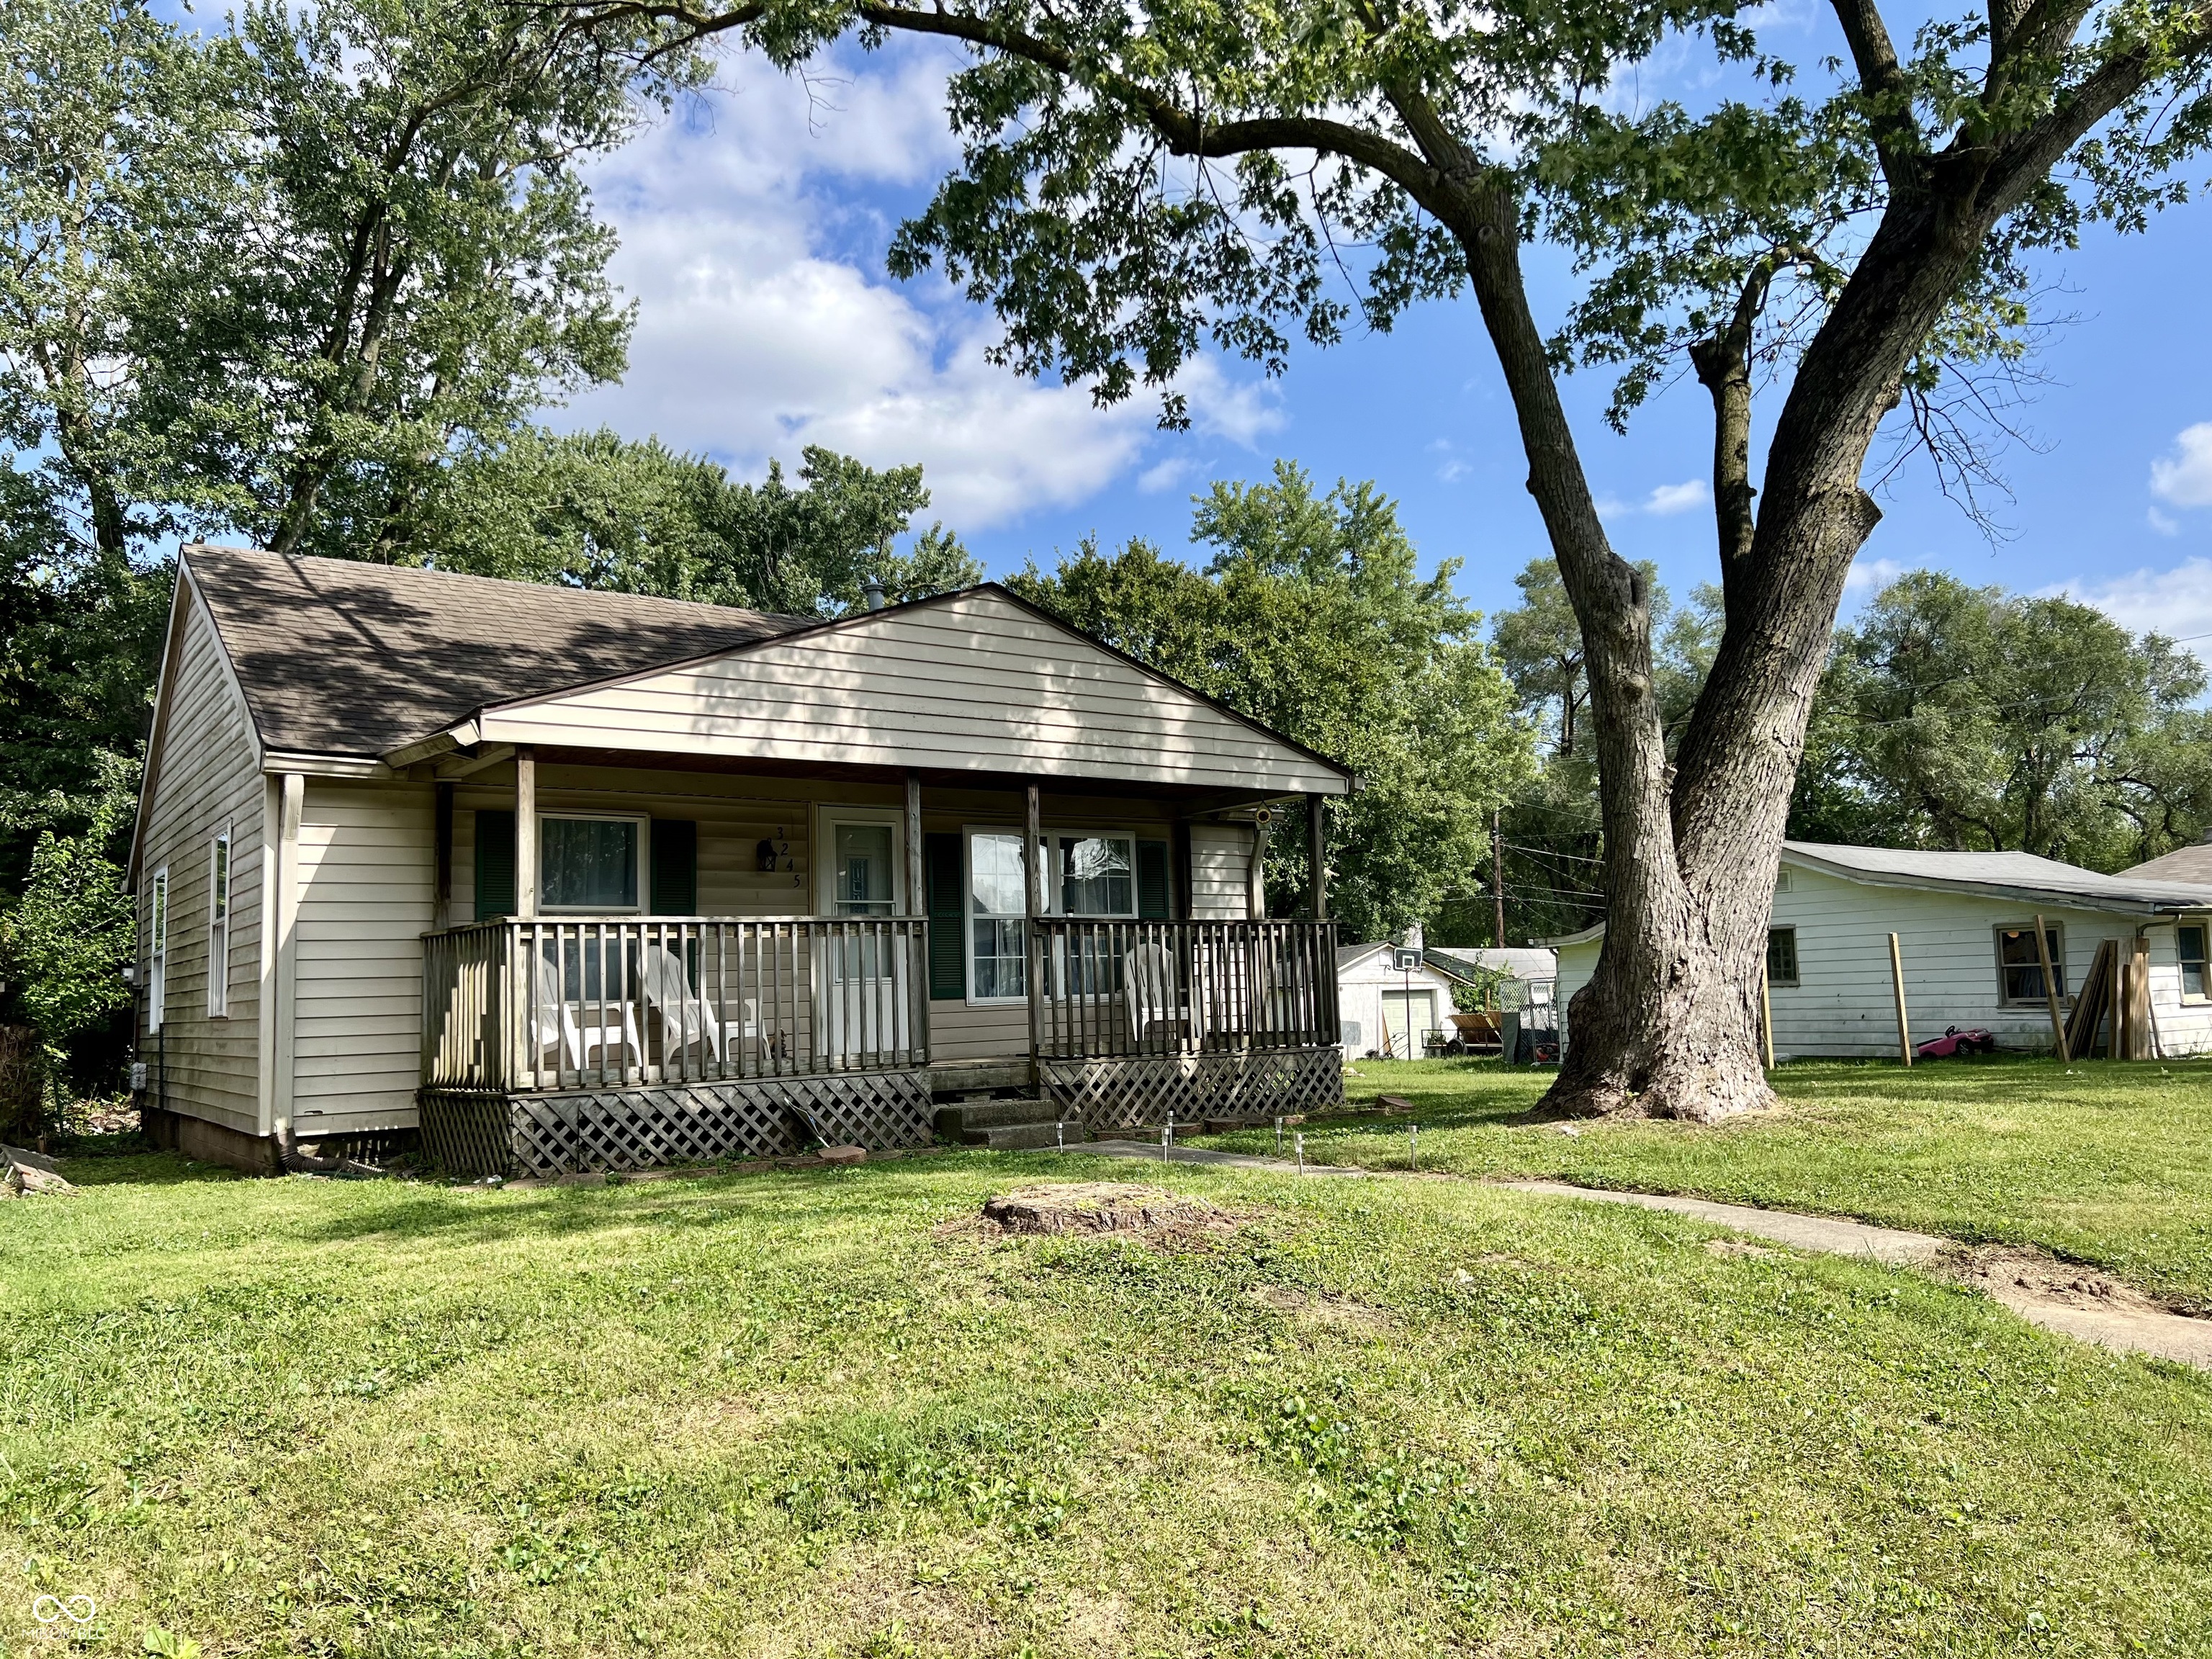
[1407,1017]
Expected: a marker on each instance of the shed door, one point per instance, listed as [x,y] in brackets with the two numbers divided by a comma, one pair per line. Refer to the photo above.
[1407,1017]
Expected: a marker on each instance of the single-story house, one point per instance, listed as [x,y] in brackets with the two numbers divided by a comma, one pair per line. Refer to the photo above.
[1966,928]
[573,880]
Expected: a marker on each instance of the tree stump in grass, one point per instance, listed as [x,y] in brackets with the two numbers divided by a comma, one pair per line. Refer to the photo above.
[1099,1207]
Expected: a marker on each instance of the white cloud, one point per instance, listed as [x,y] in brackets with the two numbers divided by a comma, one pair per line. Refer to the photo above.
[1869,576]
[2177,603]
[1664,502]
[2185,477]
[1684,497]
[2165,523]
[751,239]
[1166,475]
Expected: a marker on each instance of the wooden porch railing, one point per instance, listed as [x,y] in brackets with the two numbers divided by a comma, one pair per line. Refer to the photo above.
[1117,988]
[587,1002]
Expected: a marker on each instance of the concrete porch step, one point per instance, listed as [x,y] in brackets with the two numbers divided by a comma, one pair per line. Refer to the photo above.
[959,1118]
[1026,1136]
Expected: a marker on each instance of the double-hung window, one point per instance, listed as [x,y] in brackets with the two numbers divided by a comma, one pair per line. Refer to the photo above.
[1089,874]
[2190,938]
[2020,967]
[218,961]
[590,863]
[157,948]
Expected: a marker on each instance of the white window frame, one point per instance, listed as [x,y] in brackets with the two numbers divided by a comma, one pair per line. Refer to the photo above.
[157,947]
[2203,923]
[221,870]
[586,815]
[1051,837]
[827,817]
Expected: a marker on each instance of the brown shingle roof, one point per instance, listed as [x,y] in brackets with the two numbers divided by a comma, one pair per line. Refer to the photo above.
[2190,863]
[338,658]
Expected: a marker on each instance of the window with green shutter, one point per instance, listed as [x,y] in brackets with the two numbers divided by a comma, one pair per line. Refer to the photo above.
[495,865]
[948,960]
[674,872]
[1155,891]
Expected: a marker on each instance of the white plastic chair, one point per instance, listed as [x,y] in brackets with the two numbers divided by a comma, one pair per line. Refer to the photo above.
[555,1020]
[686,1015]
[1148,981]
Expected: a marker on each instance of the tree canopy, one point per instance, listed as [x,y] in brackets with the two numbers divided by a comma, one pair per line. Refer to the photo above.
[1968,717]
[1311,615]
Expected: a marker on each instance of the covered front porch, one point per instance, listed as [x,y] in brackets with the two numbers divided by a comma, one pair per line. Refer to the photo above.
[970,943]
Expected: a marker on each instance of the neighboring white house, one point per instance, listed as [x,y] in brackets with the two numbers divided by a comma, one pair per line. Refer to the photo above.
[1966,932]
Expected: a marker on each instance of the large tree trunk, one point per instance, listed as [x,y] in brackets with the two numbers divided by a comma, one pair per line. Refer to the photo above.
[1668,1025]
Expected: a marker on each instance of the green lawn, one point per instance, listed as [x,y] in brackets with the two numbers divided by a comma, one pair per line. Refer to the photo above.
[800,1414]
[2104,1162]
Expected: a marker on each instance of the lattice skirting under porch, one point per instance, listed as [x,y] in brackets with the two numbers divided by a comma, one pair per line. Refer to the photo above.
[1122,1094]
[654,1125]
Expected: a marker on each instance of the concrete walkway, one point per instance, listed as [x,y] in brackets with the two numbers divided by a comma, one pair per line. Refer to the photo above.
[1826,1234]
[2079,1303]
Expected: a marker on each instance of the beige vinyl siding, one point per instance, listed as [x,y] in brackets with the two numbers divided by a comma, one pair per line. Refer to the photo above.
[1220,868]
[364,903]
[1843,1004]
[205,774]
[975,685]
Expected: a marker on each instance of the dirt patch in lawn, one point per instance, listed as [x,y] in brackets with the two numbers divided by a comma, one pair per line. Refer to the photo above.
[2083,1302]
[2012,1273]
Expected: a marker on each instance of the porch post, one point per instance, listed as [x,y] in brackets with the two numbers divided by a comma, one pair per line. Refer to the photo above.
[526,832]
[1032,908]
[1317,856]
[441,832]
[917,904]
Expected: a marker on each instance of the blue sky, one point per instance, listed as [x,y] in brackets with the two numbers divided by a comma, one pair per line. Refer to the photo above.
[753,227]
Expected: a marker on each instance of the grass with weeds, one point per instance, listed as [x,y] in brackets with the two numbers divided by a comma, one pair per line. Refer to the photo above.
[2105,1163]
[802,1414]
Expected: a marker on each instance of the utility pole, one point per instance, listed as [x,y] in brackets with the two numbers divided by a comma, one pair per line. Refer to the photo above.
[1498,878]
